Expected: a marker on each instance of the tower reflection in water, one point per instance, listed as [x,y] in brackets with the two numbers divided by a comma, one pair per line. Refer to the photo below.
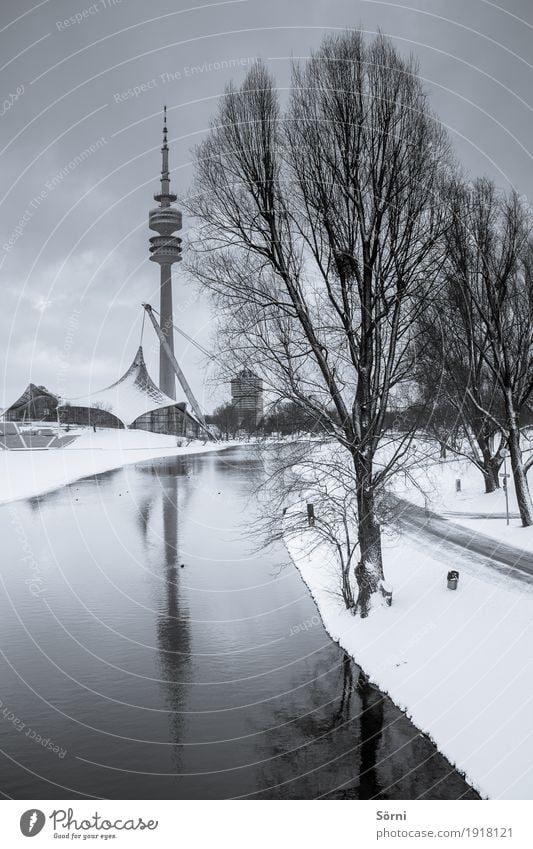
[173,625]
[309,725]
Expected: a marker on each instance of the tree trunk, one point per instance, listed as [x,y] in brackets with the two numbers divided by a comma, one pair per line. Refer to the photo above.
[491,466]
[347,593]
[491,481]
[523,496]
[369,570]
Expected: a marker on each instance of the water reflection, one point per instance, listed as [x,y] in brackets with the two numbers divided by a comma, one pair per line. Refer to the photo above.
[371,733]
[173,627]
[313,751]
[395,760]
[347,689]
[167,467]
[226,698]
[144,513]
[173,622]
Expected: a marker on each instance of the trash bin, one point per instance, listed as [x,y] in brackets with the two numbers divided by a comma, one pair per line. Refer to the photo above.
[452,578]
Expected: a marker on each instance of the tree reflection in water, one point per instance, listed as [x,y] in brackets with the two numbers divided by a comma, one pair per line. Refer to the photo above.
[396,760]
[371,728]
[311,754]
[356,745]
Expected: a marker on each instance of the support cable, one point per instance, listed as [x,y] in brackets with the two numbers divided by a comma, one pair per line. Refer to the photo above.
[189,338]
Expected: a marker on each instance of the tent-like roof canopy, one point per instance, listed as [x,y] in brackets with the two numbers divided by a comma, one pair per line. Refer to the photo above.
[127,399]
[31,394]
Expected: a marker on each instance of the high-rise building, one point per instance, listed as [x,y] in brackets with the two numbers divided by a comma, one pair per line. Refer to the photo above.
[247,398]
[165,249]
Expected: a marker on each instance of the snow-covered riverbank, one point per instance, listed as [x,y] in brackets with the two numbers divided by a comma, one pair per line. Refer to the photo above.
[27,473]
[456,662]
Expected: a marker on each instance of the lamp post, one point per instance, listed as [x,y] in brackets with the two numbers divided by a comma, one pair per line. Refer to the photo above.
[503,453]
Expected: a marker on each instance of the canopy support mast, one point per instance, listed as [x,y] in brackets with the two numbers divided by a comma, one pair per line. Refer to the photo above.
[179,374]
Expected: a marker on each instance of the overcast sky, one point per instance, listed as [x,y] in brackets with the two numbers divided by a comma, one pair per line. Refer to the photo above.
[75,272]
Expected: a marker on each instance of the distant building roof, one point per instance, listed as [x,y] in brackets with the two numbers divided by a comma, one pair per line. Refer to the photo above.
[246,373]
[31,393]
[131,396]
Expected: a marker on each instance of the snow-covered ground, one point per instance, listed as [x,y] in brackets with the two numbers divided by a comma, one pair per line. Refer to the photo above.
[434,485]
[27,473]
[458,662]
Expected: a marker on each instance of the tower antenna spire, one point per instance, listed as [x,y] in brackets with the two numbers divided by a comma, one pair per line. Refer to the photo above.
[165,196]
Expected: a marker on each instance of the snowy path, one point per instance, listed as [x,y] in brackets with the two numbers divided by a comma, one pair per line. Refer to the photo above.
[415,519]
[458,514]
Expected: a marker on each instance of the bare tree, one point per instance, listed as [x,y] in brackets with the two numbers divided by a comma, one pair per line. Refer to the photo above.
[226,418]
[461,397]
[289,418]
[489,247]
[317,228]
[297,474]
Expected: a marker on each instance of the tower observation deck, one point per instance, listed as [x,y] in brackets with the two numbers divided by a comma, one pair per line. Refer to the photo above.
[165,249]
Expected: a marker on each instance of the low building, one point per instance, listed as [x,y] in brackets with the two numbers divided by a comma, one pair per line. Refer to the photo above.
[175,419]
[133,401]
[36,403]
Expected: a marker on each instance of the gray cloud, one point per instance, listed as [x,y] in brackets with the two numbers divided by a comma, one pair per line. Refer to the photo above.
[83,246]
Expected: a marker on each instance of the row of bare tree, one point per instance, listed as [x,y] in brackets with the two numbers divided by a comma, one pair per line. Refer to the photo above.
[476,335]
[348,260]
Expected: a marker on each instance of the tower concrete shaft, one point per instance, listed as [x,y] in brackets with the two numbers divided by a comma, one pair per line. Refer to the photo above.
[167,378]
[165,249]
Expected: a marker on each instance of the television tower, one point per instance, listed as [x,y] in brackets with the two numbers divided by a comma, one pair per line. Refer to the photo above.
[166,250]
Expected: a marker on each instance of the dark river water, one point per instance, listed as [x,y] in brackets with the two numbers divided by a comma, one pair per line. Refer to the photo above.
[126,675]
